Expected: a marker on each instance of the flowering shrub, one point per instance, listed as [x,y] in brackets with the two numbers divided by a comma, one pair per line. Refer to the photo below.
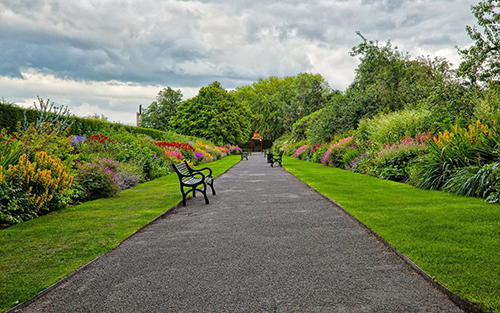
[97,179]
[177,145]
[31,188]
[453,150]
[392,127]
[357,163]
[233,149]
[99,144]
[173,156]
[304,152]
[333,156]
[76,141]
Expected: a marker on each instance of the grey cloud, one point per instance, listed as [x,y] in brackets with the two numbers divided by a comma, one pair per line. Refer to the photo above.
[157,42]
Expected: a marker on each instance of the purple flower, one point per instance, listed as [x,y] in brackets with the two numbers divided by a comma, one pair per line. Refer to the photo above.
[198,155]
[76,141]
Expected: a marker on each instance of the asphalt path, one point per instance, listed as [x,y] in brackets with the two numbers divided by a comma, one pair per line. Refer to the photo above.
[265,243]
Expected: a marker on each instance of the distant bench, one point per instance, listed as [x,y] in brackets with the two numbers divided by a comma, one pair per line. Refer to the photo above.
[244,154]
[277,158]
[191,178]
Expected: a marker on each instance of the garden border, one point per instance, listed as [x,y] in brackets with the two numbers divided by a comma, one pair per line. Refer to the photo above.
[463,304]
[169,211]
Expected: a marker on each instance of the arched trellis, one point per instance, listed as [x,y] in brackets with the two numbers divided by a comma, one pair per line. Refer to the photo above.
[256,136]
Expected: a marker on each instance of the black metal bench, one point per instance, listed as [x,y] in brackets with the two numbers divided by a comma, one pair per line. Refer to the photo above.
[192,178]
[277,159]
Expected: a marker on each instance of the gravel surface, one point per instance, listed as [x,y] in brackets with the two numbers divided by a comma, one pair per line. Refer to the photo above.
[265,243]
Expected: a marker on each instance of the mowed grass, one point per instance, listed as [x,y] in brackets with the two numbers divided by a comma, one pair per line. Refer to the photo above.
[455,239]
[38,253]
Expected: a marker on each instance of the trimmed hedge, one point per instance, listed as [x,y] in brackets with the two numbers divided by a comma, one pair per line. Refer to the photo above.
[10,115]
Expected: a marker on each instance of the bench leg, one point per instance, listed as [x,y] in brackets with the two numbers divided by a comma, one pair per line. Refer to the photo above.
[204,192]
[183,196]
[212,186]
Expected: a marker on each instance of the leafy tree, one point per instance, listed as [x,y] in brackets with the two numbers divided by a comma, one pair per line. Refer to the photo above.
[388,80]
[481,62]
[214,114]
[157,115]
[277,103]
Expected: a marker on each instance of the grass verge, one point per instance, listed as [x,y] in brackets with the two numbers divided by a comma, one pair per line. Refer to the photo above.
[38,253]
[455,239]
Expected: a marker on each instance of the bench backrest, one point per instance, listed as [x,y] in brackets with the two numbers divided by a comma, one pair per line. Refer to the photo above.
[181,169]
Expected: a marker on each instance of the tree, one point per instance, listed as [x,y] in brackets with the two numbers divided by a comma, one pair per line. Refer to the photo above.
[481,62]
[157,115]
[214,114]
[277,103]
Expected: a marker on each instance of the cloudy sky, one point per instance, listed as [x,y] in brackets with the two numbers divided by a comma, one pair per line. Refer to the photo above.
[106,57]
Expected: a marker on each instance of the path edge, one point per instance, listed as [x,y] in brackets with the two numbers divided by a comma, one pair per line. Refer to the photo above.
[462,303]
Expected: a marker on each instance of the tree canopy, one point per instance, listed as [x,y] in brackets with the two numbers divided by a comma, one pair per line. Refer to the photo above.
[214,114]
[481,61]
[277,103]
[157,115]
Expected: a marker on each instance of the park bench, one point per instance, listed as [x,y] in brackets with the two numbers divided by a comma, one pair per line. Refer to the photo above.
[244,155]
[277,159]
[192,178]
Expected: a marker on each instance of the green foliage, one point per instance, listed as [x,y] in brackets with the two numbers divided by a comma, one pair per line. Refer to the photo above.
[12,208]
[487,106]
[33,188]
[98,179]
[451,103]
[213,114]
[392,127]
[159,112]
[331,121]
[50,115]
[451,151]
[277,103]
[394,161]
[301,127]
[482,182]
[481,61]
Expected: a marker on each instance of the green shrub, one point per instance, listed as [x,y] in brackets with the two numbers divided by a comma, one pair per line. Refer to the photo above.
[451,151]
[334,155]
[98,179]
[394,126]
[350,154]
[394,161]
[319,152]
[482,182]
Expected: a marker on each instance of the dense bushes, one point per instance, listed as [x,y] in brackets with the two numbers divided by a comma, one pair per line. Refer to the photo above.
[408,146]
[44,169]
[32,188]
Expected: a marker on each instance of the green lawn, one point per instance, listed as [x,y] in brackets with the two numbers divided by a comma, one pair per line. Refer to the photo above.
[455,239]
[38,253]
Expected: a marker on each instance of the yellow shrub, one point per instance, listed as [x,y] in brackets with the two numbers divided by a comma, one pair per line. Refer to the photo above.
[474,134]
[41,180]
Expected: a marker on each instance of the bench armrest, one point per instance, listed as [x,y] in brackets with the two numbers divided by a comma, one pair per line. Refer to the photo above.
[204,169]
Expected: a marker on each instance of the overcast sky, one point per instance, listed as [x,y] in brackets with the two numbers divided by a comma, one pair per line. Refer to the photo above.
[108,56]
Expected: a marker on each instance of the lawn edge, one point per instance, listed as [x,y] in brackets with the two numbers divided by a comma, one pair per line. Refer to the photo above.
[462,303]
[169,211]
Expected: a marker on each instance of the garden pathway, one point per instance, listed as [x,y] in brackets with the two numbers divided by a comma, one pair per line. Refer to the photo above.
[265,243]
